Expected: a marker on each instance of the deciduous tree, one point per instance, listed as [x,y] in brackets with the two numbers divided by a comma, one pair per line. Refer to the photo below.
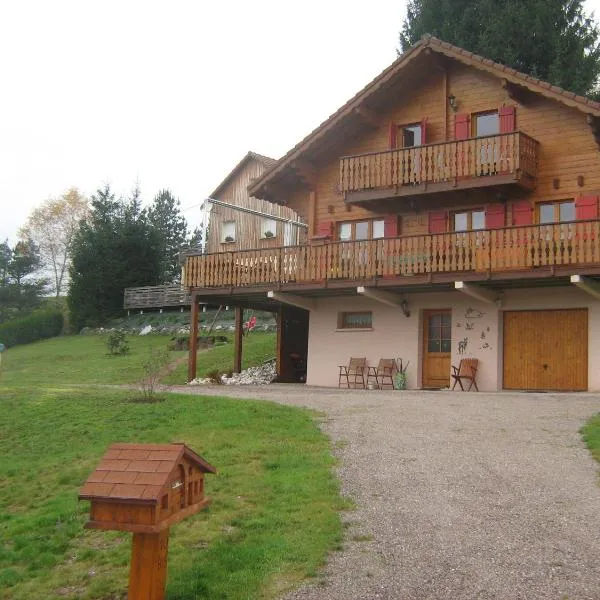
[553,40]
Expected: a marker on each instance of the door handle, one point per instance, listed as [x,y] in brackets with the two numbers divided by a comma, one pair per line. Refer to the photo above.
[545,366]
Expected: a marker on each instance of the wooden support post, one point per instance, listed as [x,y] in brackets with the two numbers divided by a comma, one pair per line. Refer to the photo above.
[293,300]
[148,572]
[193,349]
[239,334]
[590,286]
[479,293]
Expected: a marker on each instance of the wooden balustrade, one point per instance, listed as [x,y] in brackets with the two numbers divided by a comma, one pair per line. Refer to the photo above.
[508,249]
[502,154]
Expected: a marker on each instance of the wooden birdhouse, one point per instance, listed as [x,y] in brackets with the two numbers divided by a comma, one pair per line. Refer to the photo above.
[146,488]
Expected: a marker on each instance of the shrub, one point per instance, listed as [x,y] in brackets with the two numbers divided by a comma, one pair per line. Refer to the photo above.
[38,325]
[214,376]
[153,368]
[117,343]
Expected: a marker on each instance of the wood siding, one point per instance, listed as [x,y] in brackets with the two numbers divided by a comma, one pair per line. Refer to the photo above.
[546,350]
[249,226]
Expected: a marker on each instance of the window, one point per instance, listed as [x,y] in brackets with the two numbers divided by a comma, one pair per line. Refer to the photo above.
[557,212]
[411,136]
[486,124]
[268,228]
[228,231]
[345,232]
[378,229]
[164,502]
[439,332]
[355,320]
[469,220]
[361,230]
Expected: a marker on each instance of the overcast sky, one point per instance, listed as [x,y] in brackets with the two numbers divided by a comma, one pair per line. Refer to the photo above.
[171,94]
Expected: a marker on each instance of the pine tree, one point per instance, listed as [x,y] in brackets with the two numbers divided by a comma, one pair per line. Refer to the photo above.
[165,216]
[115,248]
[553,40]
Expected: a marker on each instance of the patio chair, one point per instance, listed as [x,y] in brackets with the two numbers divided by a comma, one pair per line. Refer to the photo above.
[354,373]
[383,373]
[467,369]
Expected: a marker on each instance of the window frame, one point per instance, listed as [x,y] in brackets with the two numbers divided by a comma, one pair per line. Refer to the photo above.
[402,131]
[352,224]
[469,213]
[474,116]
[225,234]
[556,206]
[342,324]
[264,228]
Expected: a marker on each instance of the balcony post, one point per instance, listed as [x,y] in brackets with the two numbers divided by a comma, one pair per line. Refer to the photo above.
[193,343]
[239,334]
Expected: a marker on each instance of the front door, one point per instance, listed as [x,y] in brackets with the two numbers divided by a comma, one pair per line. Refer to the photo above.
[437,348]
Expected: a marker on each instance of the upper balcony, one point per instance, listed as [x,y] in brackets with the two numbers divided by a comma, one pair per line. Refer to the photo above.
[508,159]
[503,254]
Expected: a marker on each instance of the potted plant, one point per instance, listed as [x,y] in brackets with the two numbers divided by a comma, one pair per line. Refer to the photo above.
[400,377]
[269,234]
[229,238]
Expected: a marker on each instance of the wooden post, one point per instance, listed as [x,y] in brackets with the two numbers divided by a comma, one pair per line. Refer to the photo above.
[148,572]
[239,332]
[193,349]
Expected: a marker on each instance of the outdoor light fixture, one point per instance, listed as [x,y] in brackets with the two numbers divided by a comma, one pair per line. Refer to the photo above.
[404,307]
[452,102]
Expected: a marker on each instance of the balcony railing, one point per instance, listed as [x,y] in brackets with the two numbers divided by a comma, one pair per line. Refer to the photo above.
[503,154]
[509,249]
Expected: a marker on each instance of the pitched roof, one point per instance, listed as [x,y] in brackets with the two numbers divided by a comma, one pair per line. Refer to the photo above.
[263,160]
[138,471]
[533,84]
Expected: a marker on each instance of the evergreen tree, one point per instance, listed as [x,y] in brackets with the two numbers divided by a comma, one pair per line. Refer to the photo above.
[165,216]
[553,40]
[115,248]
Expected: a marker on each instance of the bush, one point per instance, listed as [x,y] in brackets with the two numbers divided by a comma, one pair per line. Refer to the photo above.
[38,325]
[116,343]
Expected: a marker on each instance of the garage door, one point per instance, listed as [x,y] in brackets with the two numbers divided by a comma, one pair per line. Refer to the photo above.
[545,350]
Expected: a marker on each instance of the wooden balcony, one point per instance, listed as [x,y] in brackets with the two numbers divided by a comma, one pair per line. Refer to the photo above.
[504,159]
[513,249]
[156,296]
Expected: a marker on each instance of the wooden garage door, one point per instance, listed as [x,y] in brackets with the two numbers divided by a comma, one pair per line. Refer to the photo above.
[546,350]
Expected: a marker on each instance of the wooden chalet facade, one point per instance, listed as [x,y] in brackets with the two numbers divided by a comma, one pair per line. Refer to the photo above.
[452,211]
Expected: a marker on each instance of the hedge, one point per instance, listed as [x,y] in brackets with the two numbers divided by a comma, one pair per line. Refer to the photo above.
[36,326]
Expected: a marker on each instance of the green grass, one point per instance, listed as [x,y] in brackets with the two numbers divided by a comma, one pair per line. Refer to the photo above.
[591,436]
[275,511]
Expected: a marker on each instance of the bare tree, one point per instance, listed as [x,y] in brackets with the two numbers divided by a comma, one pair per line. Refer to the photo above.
[52,226]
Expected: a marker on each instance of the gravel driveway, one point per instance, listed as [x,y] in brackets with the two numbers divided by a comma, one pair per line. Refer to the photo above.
[459,495]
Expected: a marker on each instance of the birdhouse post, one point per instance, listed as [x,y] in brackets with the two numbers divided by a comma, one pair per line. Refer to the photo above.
[146,488]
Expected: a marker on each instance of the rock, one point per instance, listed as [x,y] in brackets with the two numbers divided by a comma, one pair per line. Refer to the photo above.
[146,330]
[261,375]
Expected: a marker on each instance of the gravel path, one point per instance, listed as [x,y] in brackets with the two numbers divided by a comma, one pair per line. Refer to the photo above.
[459,495]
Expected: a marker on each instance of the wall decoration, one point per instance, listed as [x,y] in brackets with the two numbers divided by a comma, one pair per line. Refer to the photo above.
[462,345]
[459,324]
[473,313]
[470,326]
[483,335]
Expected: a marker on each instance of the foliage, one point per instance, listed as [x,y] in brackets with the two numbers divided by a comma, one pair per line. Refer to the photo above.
[165,216]
[20,291]
[153,368]
[52,226]
[215,376]
[273,518]
[115,248]
[116,342]
[591,436]
[553,40]
[38,325]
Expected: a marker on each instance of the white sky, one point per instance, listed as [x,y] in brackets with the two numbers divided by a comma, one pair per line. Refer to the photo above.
[171,94]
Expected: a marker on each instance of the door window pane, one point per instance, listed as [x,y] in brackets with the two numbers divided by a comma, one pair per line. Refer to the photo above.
[433,346]
[487,124]
[547,213]
[362,230]
[446,345]
[567,211]
[478,219]
[345,231]
[378,229]
[461,222]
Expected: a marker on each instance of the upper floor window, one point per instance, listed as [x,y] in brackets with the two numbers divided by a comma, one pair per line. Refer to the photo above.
[486,123]
[361,230]
[268,228]
[411,135]
[228,231]
[557,212]
[469,220]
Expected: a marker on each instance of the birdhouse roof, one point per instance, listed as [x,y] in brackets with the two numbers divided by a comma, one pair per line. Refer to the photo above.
[138,472]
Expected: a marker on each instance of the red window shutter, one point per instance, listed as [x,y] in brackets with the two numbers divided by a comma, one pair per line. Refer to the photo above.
[495,216]
[393,132]
[522,213]
[461,127]
[325,229]
[437,222]
[586,208]
[507,119]
[424,132]
[390,226]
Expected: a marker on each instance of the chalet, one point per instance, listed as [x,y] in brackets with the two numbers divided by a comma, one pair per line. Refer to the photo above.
[241,222]
[452,211]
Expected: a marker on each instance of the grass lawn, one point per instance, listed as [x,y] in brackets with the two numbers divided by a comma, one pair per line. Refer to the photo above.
[591,436]
[275,511]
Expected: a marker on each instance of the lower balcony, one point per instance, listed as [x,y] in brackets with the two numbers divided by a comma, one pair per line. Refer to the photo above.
[484,252]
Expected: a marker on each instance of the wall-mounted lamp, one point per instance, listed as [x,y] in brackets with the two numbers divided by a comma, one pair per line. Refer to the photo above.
[404,308]
[453,102]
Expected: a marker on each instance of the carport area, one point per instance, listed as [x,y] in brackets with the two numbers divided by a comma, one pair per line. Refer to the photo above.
[458,495]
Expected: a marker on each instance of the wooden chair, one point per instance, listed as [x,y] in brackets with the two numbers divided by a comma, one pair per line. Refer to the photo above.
[354,373]
[383,373]
[467,369]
